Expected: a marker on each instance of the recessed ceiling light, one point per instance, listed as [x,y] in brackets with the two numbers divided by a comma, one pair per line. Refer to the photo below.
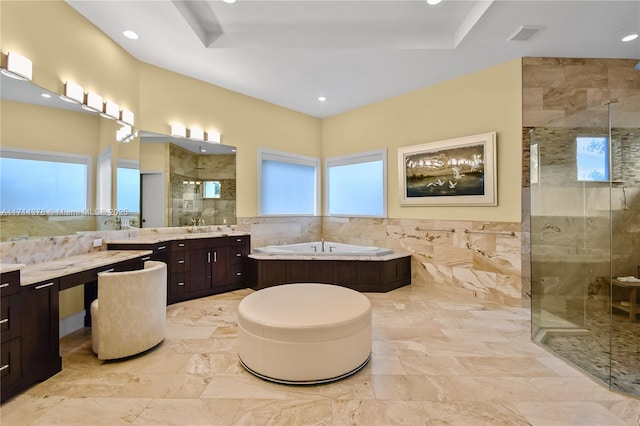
[45,95]
[229,1]
[322,98]
[433,2]
[130,34]
[630,37]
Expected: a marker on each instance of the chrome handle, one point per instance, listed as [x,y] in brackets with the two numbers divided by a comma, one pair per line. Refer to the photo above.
[238,254]
[146,258]
[4,321]
[44,286]
[4,285]
[180,284]
[4,367]
[209,257]
[109,270]
[181,245]
[238,240]
[215,256]
[180,261]
[162,247]
[238,274]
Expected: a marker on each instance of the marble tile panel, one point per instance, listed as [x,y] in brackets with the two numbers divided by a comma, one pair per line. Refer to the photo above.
[498,389]
[542,76]
[593,75]
[284,412]
[182,411]
[566,413]
[378,413]
[504,367]
[384,365]
[407,388]
[75,411]
[243,386]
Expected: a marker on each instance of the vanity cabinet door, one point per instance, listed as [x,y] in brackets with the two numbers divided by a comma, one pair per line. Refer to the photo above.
[40,331]
[219,266]
[200,270]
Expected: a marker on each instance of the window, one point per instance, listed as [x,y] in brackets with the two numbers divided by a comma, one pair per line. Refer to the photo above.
[356,185]
[592,158]
[44,182]
[128,186]
[288,184]
[211,189]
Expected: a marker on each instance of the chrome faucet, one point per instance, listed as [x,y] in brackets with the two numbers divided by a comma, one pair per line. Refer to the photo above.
[323,244]
[117,222]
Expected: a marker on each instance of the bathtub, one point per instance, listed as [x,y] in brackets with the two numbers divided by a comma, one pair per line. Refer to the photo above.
[320,248]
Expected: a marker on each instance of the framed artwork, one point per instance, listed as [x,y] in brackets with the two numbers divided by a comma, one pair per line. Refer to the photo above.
[452,172]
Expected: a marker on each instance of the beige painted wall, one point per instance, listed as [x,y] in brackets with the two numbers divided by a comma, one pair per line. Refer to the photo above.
[244,122]
[485,101]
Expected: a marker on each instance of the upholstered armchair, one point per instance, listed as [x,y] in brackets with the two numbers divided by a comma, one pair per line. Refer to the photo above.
[129,316]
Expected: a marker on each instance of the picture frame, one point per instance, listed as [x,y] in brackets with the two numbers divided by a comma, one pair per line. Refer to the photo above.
[451,172]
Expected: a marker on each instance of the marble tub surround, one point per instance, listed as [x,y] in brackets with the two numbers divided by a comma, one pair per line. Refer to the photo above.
[484,264]
[436,355]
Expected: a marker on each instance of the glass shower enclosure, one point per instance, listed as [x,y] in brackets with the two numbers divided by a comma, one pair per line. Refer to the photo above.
[585,243]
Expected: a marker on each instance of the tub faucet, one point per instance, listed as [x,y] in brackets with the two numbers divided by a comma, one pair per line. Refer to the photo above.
[323,244]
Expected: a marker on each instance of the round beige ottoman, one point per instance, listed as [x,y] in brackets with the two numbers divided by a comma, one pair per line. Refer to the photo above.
[304,333]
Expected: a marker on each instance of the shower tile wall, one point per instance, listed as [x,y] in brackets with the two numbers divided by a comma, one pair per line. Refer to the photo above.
[563,98]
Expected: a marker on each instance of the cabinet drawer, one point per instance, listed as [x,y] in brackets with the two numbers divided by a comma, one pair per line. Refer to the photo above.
[9,283]
[10,317]
[11,364]
[236,273]
[179,245]
[239,240]
[179,261]
[178,284]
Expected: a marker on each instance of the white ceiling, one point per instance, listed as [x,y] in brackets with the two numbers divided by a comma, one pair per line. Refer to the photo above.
[355,52]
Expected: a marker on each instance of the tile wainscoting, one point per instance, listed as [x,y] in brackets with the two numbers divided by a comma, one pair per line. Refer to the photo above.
[486,264]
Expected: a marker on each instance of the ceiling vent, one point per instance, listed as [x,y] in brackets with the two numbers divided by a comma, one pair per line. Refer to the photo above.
[524,33]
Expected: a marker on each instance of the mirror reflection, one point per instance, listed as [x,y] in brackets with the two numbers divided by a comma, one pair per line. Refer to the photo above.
[65,170]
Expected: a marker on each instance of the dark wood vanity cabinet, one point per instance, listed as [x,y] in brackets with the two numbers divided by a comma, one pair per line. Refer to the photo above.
[10,333]
[198,267]
[40,331]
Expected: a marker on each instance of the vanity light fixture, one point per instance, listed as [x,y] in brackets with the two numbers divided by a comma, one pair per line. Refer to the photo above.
[93,102]
[196,133]
[630,37]
[111,110]
[18,66]
[127,117]
[73,92]
[178,130]
[212,136]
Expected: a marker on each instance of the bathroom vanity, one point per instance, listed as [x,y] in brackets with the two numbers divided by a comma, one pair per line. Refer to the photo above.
[199,264]
[30,311]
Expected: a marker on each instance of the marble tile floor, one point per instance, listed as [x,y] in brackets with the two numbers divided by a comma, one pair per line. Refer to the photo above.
[437,359]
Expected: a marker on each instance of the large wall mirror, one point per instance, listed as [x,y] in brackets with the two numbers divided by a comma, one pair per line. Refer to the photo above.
[65,170]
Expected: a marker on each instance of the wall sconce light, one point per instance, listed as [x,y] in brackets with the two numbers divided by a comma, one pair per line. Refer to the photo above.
[196,133]
[212,136]
[73,92]
[111,110]
[93,102]
[127,116]
[18,66]
[178,130]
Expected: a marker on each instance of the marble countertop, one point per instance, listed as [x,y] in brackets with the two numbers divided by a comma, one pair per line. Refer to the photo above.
[161,238]
[10,267]
[384,257]
[38,272]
